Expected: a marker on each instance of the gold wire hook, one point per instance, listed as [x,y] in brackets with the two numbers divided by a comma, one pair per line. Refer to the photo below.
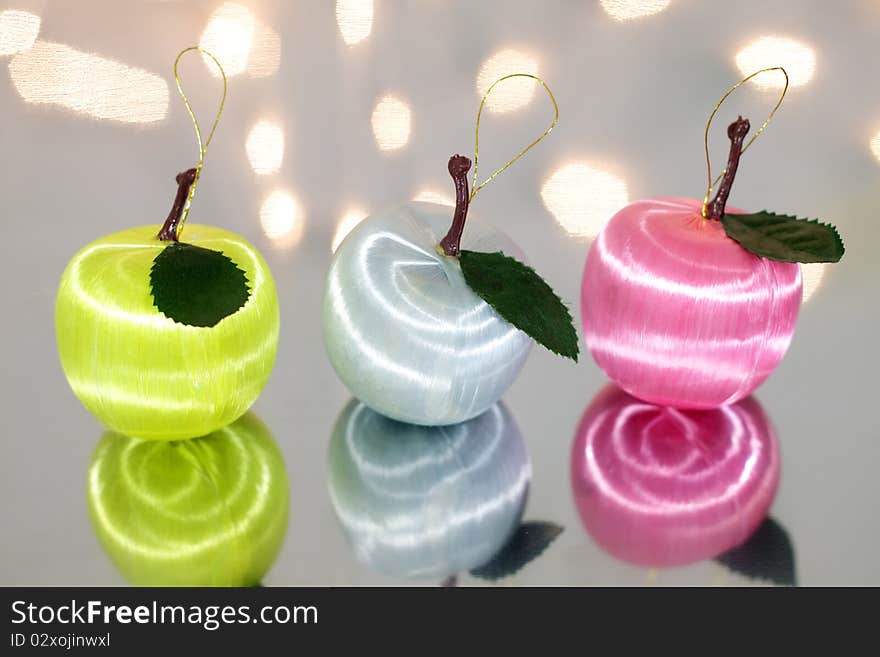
[474,185]
[203,147]
[712,183]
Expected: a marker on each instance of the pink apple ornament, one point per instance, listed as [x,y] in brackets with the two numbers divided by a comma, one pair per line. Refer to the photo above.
[685,305]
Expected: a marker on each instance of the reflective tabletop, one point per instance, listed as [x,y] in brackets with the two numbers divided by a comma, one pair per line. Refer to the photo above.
[334,113]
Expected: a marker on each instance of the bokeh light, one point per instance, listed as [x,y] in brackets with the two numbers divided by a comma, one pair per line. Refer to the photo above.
[265,55]
[511,94]
[355,19]
[18,31]
[433,196]
[627,10]
[57,74]
[797,58]
[265,147]
[391,123]
[583,197]
[281,219]
[875,145]
[345,225]
[812,273]
[228,36]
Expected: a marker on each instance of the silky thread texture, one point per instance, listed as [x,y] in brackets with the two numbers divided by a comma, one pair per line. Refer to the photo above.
[658,486]
[427,502]
[677,313]
[205,512]
[403,330]
[141,373]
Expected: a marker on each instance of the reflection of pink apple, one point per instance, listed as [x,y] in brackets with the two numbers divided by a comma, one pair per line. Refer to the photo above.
[677,313]
[657,486]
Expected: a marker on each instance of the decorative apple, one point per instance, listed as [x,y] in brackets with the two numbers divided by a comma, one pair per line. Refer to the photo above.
[427,502]
[694,309]
[167,340]
[423,331]
[205,512]
[658,486]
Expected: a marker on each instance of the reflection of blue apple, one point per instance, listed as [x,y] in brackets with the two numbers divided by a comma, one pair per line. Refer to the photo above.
[427,502]
[209,511]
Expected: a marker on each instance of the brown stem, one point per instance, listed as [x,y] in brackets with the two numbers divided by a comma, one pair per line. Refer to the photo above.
[185,180]
[459,166]
[736,132]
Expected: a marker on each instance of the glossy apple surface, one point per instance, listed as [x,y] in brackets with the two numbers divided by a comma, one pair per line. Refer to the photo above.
[143,374]
[403,330]
[427,502]
[659,486]
[677,313]
[205,512]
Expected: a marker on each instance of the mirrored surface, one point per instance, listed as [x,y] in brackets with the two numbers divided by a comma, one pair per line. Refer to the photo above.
[210,511]
[339,110]
[427,503]
[658,486]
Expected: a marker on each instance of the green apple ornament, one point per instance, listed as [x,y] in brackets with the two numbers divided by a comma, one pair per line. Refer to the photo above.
[432,330]
[163,339]
[205,512]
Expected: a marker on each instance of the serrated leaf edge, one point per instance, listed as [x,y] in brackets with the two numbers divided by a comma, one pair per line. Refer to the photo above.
[247,285]
[577,347]
[833,228]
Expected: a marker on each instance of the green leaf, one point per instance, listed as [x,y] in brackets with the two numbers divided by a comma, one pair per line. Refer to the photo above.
[521,297]
[196,286]
[767,555]
[527,543]
[784,238]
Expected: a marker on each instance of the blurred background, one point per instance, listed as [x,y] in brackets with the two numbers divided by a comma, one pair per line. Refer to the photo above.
[338,109]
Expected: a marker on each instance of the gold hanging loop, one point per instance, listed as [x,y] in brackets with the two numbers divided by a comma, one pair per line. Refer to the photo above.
[710,182]
[474,185]
[203,147]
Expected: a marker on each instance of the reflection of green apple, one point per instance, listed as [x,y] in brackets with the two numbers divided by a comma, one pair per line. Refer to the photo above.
[142,373]
[205,512]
